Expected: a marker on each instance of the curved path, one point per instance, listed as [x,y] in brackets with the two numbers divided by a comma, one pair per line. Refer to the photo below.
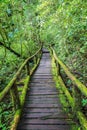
[42,110]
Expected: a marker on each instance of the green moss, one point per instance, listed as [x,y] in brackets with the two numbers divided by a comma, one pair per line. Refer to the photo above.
[75,127]
[82,119]
[59,83]
[24,91]
[35,66]
[20,89]
[16,119]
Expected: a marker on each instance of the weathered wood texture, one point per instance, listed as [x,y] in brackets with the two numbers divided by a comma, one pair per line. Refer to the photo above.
[42,106]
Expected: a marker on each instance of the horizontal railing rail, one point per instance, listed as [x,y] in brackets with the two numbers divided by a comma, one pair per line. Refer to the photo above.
[78,87]
[8,87]
[18,98]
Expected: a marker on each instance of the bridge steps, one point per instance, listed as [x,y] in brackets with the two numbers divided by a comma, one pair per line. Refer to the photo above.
[42,108]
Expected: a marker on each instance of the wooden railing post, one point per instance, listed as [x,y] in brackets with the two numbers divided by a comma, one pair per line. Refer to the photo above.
[35,59]
[77,98]
[51,52]
[15,97]
[58,68]
[28,69]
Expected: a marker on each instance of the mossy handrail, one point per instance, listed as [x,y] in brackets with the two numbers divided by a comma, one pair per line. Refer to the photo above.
[57,65]
[8,87]
[17,99]
[80,86]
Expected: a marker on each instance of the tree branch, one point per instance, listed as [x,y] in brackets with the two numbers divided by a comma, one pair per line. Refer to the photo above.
[11,50]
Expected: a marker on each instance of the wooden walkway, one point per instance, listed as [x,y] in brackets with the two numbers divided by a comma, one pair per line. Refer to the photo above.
[42,110]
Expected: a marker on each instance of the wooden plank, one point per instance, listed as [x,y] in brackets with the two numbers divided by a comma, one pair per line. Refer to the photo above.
[42,93]
[46,116]
[39,84]
[45,110]
[43,82]
[43,105]
[41,78]
[41,96]
[43,121]
[46,97]
[41,89]
[43,74]
[44,127]
[42,100]
[44,89]
[46,71]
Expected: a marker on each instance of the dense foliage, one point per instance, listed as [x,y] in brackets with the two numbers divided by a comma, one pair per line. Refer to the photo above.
[18,36]
[24,25]
[19,39]
[64,24]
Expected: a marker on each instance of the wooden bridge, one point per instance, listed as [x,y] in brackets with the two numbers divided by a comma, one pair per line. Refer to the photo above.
[39,96]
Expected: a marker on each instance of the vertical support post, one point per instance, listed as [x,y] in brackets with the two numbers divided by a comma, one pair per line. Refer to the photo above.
[74,98]
[58,68]
[51,52]
[35,59]
[28,69]
[15,97]
[77,99]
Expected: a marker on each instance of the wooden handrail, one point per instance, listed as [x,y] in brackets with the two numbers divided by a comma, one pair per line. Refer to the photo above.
[17,99]
[9,86]
[80,86]
[57,65]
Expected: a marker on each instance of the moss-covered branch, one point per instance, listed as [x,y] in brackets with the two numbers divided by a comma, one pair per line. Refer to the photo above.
[10,49]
